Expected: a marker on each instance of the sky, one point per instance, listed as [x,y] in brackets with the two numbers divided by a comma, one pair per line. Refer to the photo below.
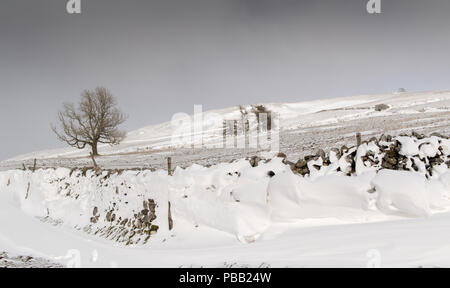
[162,57]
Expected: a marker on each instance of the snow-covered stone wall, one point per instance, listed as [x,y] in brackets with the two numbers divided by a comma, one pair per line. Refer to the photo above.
[120,206]
[426,155]
[244,197]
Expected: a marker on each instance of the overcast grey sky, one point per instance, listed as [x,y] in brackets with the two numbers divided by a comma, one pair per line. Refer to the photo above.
[162,57]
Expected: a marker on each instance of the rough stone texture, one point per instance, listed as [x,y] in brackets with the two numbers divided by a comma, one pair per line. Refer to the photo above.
[391,157]
[9,261]
[254,161]
[136,230]
[381,107]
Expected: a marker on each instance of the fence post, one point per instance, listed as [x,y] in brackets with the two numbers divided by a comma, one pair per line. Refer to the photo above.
[224,134]
[247,132]
[169,212]
[235,132]
[170,217]
[169,166]
[358,139]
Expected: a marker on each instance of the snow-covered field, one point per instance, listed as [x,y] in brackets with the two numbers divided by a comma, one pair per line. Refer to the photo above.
[304,127]
[237,215]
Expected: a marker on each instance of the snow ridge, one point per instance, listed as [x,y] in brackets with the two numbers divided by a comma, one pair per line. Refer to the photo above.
[243,198]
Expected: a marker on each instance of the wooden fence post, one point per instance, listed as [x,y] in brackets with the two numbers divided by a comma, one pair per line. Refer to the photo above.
[247,132]
[28,191]
[358,139]
[169,166]
[169,212]
[224,134]
[235,132]
[170,217]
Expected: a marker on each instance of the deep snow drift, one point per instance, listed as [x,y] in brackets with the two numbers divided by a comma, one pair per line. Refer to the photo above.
[125,213]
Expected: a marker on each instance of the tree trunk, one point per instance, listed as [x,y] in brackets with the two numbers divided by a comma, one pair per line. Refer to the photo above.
[94,149]
[95,163]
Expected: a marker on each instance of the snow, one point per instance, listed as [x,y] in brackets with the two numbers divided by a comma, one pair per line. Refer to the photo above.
[330,196]
[409,147]
[214,209]
[319,114]
[445,179]
[233,214]
[405,191]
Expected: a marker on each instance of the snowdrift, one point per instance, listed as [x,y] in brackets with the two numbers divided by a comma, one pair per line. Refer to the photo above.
[243,198]
[121,207]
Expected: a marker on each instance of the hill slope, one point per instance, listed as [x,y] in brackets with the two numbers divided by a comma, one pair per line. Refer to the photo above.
[303,126]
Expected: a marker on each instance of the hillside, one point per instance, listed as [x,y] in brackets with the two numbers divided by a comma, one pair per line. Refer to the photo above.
[304,127]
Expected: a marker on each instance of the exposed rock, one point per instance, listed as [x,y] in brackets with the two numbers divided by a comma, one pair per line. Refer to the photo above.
[281,155]
[254,161]
[321,154]
[344,149]
[381,107]
[301,163]
[94,219]
[439,135]
[417,135]
[270,174]
[8,261]
[387,157]
[337,152]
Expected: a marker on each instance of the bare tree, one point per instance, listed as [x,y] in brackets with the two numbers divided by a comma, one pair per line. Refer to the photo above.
[94,121]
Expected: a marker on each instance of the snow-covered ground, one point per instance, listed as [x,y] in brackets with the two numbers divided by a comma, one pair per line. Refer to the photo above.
[19,261]
[237,215]
[304,223]
[233,214]
[304,127]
